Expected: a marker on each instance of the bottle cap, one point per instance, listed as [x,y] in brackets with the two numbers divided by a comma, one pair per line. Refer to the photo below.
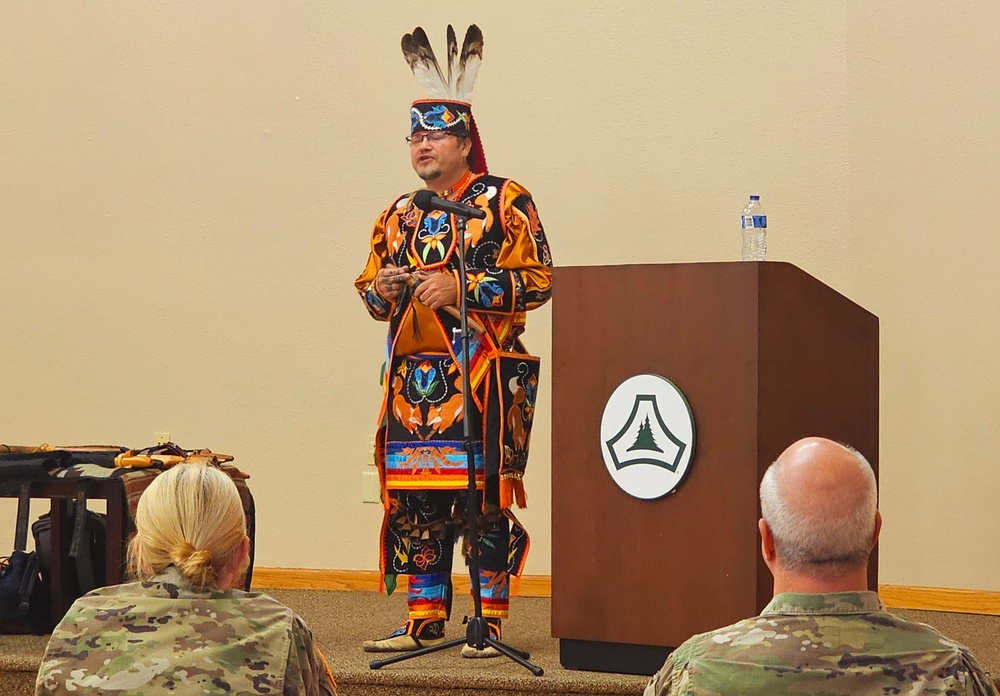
[755,198]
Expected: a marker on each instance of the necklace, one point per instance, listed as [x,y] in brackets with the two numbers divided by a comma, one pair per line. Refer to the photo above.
[458,188]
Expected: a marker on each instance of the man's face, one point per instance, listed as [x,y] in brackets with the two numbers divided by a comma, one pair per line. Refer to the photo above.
[438,155]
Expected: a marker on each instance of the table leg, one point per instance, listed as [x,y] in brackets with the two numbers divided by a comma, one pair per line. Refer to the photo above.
[63,577]
[116,539]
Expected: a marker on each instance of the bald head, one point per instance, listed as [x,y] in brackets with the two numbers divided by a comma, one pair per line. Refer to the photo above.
[819,501]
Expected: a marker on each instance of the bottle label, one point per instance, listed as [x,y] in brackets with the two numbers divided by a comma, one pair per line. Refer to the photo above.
[754,221]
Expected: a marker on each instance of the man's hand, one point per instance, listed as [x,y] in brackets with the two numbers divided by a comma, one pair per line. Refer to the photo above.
[391,280]
[436,290]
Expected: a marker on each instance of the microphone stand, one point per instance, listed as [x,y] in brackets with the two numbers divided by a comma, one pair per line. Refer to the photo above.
[477,633]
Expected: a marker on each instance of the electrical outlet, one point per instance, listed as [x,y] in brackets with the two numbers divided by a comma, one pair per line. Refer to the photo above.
[371,491]
[161,438]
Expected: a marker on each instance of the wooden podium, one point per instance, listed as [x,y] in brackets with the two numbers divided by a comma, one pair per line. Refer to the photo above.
[765,354]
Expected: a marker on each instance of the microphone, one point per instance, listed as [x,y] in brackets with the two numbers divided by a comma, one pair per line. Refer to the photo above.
[427,201]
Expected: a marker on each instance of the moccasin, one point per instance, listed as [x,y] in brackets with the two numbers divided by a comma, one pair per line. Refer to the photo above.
[489,650]
[415,634]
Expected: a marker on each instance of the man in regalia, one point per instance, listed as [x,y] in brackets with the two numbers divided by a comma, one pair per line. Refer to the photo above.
[412,281]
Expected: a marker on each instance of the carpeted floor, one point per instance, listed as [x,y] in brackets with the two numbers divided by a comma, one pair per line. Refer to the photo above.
[369,615]
[341,620]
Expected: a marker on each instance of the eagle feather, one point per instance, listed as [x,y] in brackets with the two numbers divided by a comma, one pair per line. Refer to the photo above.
[468,64]
[462,67]
[419,54]
[452,56]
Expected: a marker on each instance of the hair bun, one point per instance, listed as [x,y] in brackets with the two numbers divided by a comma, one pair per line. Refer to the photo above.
[195,565]
[182,552]
[200,558]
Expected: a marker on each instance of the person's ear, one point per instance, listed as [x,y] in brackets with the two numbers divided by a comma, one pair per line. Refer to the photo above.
[242,554]
[878,528]
[237,563]
[766,542]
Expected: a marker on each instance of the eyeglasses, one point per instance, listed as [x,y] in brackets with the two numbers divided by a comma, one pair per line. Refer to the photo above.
[432,137]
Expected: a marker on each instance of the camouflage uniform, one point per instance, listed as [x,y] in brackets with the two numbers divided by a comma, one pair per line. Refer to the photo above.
[838,643]
[163,636]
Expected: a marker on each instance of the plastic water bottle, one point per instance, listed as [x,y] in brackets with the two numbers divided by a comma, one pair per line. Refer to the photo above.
[754,231]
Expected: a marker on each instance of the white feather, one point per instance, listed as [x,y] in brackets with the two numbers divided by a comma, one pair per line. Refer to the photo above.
[452,60]
[468,66]
[462,68]
[419,54]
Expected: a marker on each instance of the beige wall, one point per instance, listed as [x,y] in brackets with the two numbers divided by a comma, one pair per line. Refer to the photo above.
[925,162]
[186,191]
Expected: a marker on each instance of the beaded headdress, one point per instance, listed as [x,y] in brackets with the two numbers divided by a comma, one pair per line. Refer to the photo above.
[447,104]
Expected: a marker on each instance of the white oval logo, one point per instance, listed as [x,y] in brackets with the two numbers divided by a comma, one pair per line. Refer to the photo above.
[647,436]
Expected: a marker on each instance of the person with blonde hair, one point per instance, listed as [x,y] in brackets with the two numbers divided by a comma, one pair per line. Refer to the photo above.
[183,627]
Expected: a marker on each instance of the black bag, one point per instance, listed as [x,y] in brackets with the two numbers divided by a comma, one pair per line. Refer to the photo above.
[24,593]
[35,465]
[88,549]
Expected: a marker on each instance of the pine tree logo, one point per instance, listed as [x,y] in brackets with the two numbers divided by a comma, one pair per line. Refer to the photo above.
[644,440]
[647,436]
[646,412]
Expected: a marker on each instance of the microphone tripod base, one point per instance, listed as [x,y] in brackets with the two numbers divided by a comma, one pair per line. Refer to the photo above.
[476,636]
